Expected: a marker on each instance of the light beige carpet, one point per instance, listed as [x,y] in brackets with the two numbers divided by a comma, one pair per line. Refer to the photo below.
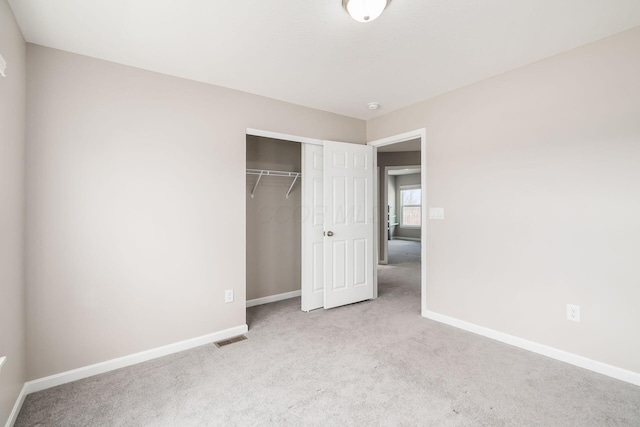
[367,364]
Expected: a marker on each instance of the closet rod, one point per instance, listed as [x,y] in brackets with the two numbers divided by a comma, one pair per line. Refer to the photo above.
[261,172]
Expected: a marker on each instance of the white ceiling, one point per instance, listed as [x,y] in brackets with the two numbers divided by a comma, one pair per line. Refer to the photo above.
[310,52]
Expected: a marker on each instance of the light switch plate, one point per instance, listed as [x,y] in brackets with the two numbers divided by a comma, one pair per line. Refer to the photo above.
[2,360]
[436,213]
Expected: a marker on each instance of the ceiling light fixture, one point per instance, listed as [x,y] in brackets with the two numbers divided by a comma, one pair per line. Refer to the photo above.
[373,105]
[365,10]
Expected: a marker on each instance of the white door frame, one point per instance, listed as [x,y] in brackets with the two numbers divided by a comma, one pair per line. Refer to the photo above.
[385,200]
[403,137]
[312,230]
[284,136]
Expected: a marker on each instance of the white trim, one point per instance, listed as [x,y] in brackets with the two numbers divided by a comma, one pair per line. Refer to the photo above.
[425,208]
[403,137]
[376,222]
[16,407]
[2,360]
[554,353]
[132,359]
[304,237]
[408,136]
[273,298]
[283,136]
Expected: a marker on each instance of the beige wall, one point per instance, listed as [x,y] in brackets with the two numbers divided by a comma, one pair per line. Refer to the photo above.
[538,170]
[273,221]
[131,174]
[401,180]
[12,121]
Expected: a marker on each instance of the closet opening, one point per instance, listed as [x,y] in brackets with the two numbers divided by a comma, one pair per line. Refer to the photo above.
[273,226]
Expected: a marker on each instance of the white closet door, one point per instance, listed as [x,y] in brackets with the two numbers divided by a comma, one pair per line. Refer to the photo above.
[312,227]
[348,223]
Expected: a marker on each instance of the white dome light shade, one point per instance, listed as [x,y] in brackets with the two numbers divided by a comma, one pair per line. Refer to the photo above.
[365,10]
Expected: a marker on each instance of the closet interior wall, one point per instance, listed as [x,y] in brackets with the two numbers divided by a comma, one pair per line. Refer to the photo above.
[273,220]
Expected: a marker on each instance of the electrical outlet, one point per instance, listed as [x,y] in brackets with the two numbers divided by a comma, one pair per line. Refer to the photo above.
[228,295]
[573,312]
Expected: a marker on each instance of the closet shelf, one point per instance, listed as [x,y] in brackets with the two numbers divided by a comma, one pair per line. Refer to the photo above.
[267,172]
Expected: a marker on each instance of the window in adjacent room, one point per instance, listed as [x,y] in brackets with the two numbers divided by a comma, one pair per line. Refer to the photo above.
[411,206]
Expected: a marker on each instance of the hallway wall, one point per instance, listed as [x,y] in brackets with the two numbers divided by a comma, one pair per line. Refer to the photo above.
[403,158]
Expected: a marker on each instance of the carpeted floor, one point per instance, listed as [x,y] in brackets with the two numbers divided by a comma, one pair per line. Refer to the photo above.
[404,252]
[372,363]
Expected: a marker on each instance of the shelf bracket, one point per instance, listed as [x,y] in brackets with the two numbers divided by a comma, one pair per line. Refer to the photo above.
[295,178]
[256,186]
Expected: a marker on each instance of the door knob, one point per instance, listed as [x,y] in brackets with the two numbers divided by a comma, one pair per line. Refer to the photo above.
[329,233]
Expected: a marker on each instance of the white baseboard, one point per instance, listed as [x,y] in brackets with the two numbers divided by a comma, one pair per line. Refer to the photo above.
[132,359]
[273,298]
[554,353]
[414,239]
[16,407]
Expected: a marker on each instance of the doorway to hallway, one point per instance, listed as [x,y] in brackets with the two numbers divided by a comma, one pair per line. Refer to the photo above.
[401,162]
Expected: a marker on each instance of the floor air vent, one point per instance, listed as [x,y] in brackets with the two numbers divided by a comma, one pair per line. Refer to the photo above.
[230,341]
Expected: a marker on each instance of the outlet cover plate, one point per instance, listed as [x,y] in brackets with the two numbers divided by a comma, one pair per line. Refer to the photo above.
[3,67]
[573,312]
[228,295]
